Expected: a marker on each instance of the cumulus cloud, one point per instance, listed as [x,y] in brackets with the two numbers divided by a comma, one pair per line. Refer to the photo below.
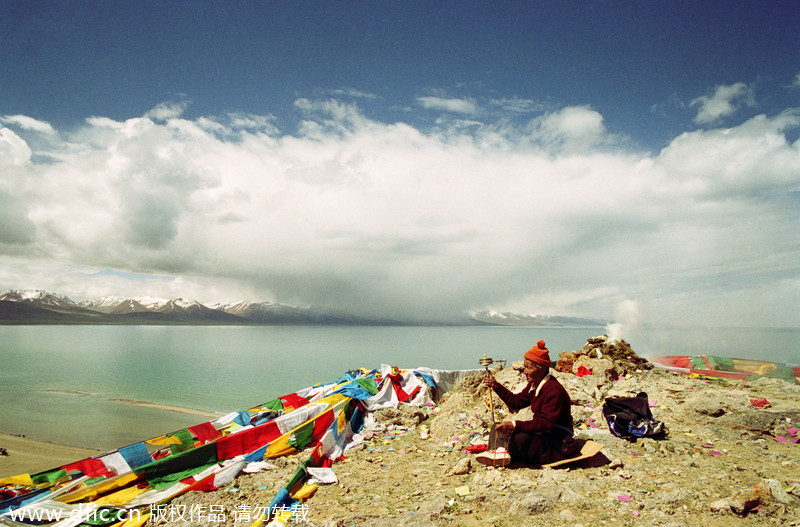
[13,149]
[463,106]
[725,101]
[750,159]
[392,220]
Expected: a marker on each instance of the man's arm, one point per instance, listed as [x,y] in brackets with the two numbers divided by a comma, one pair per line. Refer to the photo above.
[543,420]
[515,401]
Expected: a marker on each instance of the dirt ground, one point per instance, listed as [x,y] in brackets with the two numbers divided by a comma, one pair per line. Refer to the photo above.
[727,459]
[19,455]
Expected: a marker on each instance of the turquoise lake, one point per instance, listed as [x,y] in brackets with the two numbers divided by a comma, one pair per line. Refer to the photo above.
[57,383]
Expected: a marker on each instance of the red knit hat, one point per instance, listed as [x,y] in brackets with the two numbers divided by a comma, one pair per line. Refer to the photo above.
[539,354]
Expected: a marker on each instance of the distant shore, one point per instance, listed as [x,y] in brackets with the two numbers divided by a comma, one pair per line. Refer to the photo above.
[145,404]
[169,408]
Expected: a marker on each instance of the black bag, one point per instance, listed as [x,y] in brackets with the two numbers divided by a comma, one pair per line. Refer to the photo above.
[630,417]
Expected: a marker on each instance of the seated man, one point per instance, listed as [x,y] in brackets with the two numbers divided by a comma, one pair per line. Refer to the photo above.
[547,437]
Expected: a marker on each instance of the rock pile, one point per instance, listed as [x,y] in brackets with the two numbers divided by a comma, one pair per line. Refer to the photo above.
[601,356]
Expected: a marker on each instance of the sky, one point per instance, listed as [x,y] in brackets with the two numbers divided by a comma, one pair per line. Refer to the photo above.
[632,161]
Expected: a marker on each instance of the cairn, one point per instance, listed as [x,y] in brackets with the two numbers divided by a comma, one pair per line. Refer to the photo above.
[602,356]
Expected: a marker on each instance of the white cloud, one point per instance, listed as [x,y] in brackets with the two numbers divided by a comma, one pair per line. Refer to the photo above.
[463,106]
[752,159]
[166,111]
[13,149]
[17,230]
[796,83]
[392,220]
[724,102]
[253,122]
[350,92]
[329,116]
[28,123]
[520,105]
[574,128]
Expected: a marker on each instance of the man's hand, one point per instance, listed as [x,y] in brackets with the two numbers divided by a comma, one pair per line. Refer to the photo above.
[490,381]
[506,427]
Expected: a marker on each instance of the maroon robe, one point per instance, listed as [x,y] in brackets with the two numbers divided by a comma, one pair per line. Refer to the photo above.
[547,437]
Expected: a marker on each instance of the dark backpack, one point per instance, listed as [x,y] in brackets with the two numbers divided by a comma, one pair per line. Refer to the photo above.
[630,417]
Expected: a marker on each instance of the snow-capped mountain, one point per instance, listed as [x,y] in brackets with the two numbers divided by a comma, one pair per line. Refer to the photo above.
[177,308]
[42,307]
[496,318]
[121,305]
[44,300]
[37,296]
[112,303]
[268,312]
[38,307]
[106,304]
[249,310]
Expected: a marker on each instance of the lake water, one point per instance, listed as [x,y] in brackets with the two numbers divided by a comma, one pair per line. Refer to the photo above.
[57,383]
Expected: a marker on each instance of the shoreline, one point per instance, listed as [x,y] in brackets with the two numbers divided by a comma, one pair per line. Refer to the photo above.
[28,456]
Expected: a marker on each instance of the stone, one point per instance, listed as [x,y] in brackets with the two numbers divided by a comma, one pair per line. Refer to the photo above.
[705,404]
[463,466]
[744,502]
[565,361]
[551,475]
[542,499]
[773,489]
[488,477]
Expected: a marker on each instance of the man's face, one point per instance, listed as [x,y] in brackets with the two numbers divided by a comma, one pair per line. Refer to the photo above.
[533,372]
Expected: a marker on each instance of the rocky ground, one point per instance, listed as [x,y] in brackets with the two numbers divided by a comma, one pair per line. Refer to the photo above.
[728,459]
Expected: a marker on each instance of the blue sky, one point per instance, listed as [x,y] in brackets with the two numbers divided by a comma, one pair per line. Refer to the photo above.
[639,64]
[413,159]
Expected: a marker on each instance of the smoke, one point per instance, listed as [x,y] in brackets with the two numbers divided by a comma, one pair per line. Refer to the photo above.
[627,316]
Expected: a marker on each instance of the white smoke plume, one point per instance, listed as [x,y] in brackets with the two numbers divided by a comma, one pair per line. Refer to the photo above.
[627,319]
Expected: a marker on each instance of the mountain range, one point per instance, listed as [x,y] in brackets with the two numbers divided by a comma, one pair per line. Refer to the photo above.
[18,307]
